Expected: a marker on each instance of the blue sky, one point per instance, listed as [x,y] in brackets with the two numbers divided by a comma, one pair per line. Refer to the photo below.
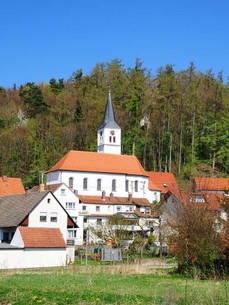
[52,38]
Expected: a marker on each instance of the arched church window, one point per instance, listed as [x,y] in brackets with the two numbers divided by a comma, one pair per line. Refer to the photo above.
[70,182]
[136,186]
[85,183]
[127,185]
[99,184]
[110,138]
[114,139]
[113,187]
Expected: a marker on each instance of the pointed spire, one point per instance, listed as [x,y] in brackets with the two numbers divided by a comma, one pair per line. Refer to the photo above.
[109,120]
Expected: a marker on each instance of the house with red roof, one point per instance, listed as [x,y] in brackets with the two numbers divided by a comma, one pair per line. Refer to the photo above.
[11,186]
[211,185]
[33,229]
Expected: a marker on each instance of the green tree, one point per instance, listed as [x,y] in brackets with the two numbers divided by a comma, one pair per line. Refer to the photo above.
[33,98]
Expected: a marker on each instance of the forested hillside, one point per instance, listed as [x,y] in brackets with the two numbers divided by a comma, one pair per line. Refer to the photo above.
[174,121]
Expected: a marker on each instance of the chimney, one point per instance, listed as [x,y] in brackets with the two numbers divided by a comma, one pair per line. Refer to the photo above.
[111,196]
[4,178]
[41,187]
[130,197]
[103,195]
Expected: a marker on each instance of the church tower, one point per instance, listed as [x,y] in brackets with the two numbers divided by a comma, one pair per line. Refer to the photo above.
[109,133]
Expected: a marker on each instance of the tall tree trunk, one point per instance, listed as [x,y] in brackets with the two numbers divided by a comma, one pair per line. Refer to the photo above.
[180,146]
[193,137]
[170,152]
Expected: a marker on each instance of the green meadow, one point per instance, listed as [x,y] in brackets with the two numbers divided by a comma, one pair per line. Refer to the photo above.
[96,285]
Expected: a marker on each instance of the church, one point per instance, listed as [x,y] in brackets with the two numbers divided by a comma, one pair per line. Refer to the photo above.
[105,182]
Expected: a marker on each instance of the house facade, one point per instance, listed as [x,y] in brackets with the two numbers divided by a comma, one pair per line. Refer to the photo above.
[70,202]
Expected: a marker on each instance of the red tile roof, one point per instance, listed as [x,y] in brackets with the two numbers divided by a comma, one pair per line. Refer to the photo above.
[11,186]
[42,237]
[209,201]
[163,181]
[84,161]
[211,184]
[113,200]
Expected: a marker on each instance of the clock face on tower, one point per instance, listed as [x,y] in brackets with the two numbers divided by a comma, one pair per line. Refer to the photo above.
[112,132]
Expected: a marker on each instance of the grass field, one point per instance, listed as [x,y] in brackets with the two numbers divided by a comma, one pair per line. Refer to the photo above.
[94,285]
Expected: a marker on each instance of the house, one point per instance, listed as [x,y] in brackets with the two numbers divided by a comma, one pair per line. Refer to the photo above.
[34,247]
[213,185]
[164,182]
[70,203]
[33,216]
[97,210]
[11,186]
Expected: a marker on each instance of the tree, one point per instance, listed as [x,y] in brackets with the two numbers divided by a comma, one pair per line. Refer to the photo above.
[33,98]
[194,238]
[56,87]
[115,231]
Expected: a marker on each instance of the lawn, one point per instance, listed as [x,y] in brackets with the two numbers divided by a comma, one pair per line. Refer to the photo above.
[90,285]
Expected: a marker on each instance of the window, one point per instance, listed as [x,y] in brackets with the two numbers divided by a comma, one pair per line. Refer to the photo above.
[97,208]
[62,192]
[127,185]
[131,209]
[85,183]
[136,186]
[84,208]
[114,139]
[53,217]
[113,187]
[85,220]
[71,233]
[99,184]
[110,139]
[48,200]
[118,208]
[74,218]
[70,205]
[43,216]
[99,221]
[70,182]
[148,210]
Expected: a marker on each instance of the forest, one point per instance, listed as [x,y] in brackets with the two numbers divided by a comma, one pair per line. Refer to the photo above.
[173,121]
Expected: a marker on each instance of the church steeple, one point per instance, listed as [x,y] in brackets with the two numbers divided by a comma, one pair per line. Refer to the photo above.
[109,132]
[109,120]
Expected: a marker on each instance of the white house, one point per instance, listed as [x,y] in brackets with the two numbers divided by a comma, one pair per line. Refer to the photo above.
[37,215]
[70,203]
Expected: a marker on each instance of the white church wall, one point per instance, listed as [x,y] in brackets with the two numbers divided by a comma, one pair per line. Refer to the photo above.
[106,183]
